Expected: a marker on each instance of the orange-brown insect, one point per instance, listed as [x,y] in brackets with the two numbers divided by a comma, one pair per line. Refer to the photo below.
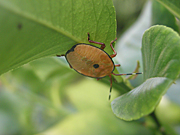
[92,61]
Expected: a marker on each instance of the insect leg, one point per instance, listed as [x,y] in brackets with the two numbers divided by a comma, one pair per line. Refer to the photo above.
[115,53]
[110,87]
[99,43]
[117,65]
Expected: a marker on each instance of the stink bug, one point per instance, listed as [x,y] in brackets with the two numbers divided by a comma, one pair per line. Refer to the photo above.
[92,61]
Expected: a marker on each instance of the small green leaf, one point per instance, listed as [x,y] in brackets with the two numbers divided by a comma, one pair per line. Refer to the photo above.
[172,5]
[34,29]
[161,64]
[141,100]
[160,52]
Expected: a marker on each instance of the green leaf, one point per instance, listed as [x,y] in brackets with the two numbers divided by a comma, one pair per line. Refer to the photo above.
[172,5]
[161,64]
[35,29]
[160,52]
[162,16]
[141,100]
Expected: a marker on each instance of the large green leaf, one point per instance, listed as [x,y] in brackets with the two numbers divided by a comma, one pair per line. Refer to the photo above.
[35,29]
[172,5]
[161,64]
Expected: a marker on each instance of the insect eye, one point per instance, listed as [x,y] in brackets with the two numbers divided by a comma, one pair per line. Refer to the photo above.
[95,65]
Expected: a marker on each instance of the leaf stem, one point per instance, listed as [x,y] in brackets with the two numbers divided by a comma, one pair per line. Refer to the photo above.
[160,127]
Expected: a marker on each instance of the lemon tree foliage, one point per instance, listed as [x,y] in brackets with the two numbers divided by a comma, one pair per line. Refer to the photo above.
[45,97]
[161,66]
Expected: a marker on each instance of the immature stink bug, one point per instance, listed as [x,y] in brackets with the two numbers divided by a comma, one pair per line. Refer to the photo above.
[92,61]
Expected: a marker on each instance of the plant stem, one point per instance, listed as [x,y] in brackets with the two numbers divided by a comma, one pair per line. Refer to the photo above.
[153,115]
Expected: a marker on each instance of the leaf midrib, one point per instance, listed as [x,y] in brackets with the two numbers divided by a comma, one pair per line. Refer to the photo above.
[169,8]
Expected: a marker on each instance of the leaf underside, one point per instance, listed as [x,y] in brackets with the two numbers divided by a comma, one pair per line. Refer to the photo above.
[35,29]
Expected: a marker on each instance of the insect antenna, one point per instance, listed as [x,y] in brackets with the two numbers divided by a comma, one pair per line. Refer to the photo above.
[127,74]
